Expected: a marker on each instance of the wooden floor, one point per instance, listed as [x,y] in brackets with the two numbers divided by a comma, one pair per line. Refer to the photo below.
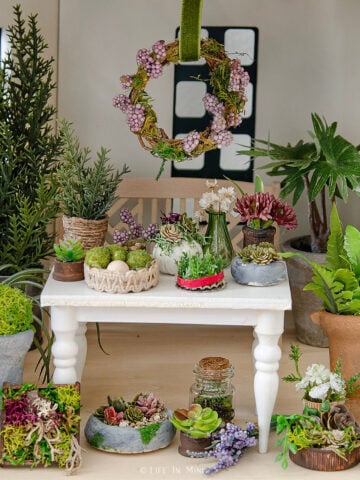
[160,359]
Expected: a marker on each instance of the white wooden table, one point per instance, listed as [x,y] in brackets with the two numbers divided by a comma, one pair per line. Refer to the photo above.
[73,304]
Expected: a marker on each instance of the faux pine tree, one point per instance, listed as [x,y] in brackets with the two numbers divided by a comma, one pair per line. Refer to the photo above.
[29,146]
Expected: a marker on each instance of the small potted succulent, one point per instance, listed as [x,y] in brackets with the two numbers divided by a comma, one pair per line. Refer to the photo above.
[69,261]
[16,332]
[195,272]
[177,234]
[115,269]
[141,425]
[196,424]
[258,265]
[321,386]
[326,440]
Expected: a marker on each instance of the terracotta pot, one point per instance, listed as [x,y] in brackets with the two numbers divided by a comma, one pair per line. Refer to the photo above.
[324,460]
[68,271]
[304,302]
[187,443]
[343,332]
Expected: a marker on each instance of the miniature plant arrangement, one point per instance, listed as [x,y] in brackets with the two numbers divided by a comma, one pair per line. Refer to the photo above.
[41,426]
[215,204]
[225,104]
[141,425]
[258,265]
[228,446]
[177,234]
[326,441]
[260,211]
[86,192]
[16,332]
[135,235]
[69,261]
[114,269]
[321,386]
[195,272]
[196,424]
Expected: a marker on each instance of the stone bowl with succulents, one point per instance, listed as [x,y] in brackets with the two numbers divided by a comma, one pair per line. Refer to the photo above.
[114,269]
[141,425]
[258,265]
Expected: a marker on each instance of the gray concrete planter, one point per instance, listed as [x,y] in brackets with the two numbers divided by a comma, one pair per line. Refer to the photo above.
[126,439]
[13,350]
[258,275]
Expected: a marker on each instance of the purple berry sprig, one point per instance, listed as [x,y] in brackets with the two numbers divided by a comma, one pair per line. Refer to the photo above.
[228,446]
[134,231]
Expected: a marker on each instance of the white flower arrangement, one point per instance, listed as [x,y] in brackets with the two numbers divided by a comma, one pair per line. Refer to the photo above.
[319,383]
[215,200]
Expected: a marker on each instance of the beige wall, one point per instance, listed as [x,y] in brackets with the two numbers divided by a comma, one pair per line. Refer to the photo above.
[308,62]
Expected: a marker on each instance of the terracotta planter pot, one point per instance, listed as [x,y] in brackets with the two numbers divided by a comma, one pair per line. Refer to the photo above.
[187,443]
[255,236]
[68,271]
[343,332]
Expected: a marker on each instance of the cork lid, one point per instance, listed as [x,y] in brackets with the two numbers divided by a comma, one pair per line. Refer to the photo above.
[214,363]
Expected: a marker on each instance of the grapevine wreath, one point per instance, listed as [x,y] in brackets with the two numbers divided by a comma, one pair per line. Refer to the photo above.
[225,104]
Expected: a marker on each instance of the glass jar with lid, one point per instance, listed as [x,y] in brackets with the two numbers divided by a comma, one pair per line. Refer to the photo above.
[212,386]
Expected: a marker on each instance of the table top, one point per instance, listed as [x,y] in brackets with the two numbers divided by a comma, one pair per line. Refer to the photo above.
[167,295]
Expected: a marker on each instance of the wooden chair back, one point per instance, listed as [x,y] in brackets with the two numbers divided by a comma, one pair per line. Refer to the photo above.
[146,198]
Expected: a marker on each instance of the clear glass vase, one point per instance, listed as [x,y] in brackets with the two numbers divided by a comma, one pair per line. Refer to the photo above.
[218,241]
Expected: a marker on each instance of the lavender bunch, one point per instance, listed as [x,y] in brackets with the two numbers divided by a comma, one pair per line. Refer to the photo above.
[134,230]
[228,445]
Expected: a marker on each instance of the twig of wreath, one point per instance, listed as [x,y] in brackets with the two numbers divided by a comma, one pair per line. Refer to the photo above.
[225,104]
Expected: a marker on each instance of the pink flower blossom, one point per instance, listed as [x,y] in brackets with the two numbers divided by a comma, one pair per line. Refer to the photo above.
[262,209]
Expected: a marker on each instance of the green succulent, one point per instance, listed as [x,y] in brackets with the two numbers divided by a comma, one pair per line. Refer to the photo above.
[119,404]
[137,259]
[196,421]
[262,254]
[15,311]
[98,257]
[69,250]
[133,414]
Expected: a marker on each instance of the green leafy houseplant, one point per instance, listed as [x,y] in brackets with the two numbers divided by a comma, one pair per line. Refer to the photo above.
[193,266]
[15,311]
[335,430]
[69,250]
[29,148]
[196,421]
[336,282]
[325,168]
[85,191]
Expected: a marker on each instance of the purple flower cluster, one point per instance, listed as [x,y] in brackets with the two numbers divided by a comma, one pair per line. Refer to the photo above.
[239,79]
[219,125]
[172,218]
[19,412]
[135,230]
[191,141]
[135,117]
[231,441]
[150,60]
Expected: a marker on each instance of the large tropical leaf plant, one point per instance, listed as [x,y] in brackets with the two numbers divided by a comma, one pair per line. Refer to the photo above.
[337,282]
[326,169]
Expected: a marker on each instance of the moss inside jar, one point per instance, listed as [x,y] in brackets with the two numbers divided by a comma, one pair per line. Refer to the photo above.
[212,386]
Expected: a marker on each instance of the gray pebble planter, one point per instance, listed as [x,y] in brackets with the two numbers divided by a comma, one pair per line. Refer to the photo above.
[258,275]
[13,350]
[126,439]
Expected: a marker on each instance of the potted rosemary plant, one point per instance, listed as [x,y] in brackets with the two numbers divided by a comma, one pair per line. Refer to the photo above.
[86,192]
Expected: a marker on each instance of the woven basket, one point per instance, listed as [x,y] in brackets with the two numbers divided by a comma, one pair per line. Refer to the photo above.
[325,460]
[91,232]
[104,280]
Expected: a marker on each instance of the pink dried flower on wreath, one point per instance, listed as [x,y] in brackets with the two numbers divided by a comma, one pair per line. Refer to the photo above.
[262,209]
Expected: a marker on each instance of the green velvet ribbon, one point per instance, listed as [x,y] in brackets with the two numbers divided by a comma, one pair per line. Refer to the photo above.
[190,27]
